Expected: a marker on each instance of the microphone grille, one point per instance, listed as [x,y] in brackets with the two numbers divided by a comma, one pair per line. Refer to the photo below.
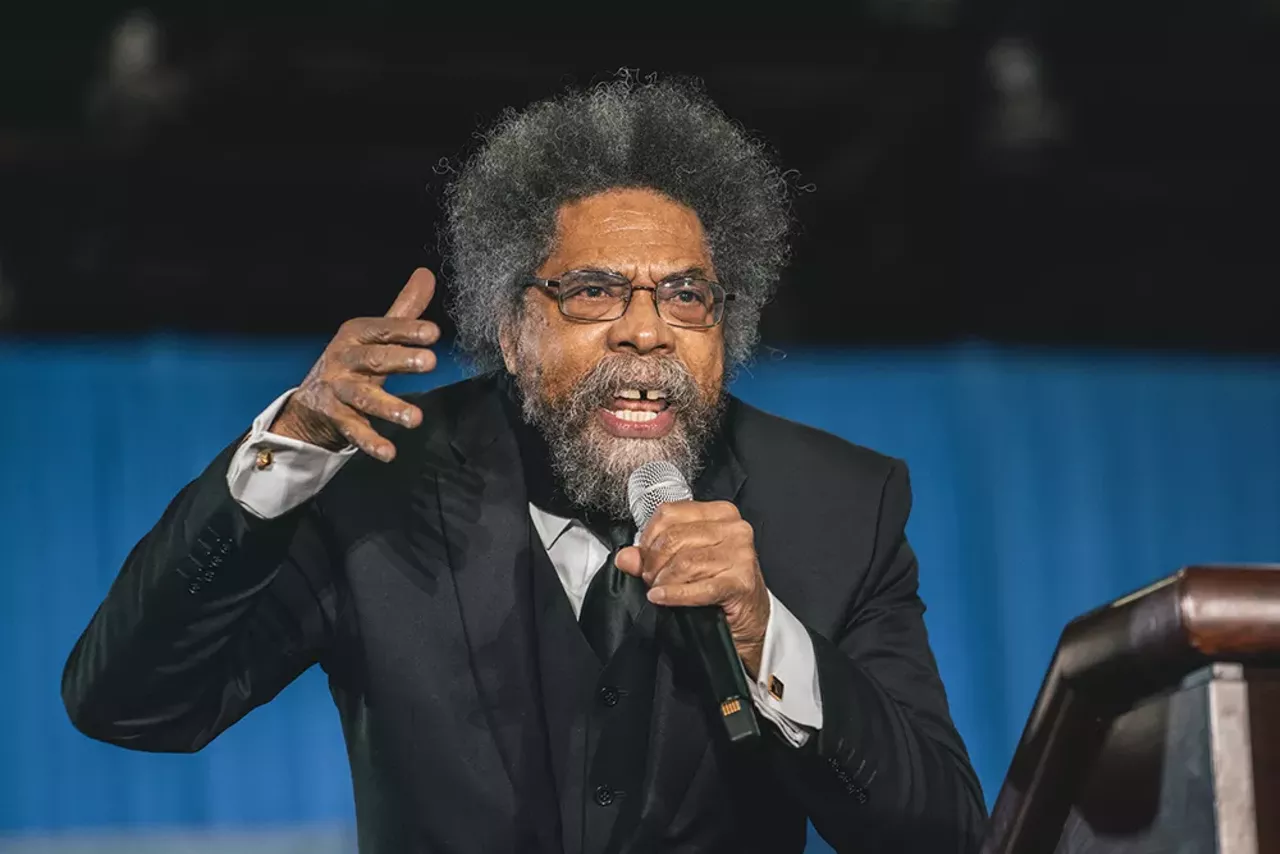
[653,484]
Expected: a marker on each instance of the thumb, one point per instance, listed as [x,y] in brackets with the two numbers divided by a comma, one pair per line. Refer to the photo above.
[629,561]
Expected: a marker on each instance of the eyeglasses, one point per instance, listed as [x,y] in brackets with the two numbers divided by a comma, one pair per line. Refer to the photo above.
[688,302]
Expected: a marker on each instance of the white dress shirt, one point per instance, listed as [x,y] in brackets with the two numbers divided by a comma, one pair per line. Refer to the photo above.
[785,691]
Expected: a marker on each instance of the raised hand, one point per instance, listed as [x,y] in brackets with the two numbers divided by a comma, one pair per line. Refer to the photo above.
[345,383]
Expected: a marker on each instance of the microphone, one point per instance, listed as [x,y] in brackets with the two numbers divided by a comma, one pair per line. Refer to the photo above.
[705,629]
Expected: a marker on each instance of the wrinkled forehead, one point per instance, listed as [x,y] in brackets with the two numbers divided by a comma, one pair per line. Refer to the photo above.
[636,232]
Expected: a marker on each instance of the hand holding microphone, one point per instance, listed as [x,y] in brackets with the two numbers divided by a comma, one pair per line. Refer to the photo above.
[701,553]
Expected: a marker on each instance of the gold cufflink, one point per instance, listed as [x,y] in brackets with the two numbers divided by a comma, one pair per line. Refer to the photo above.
[776,687]
[264,459]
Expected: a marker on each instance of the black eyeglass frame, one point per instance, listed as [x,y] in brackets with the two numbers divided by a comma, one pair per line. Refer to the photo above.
[720,297]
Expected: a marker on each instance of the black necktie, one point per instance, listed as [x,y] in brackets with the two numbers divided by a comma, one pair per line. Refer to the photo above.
[613,599]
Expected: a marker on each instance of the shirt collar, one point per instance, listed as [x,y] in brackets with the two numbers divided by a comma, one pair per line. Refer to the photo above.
[549,526]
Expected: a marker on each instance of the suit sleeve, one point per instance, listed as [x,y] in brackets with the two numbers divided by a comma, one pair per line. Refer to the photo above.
[213,613]
[887,772]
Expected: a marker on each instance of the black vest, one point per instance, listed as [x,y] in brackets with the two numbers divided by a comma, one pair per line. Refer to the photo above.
[597,716]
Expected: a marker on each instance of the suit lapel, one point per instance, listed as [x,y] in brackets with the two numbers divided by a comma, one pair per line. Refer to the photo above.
[723,477]
[485,519]
[679,738]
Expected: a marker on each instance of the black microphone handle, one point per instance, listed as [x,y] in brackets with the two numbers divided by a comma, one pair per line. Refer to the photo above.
[707,633]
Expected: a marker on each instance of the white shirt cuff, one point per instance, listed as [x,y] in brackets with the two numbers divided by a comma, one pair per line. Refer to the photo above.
[270,475]
[786,689]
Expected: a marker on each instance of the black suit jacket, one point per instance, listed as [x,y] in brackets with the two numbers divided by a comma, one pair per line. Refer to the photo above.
[402,582]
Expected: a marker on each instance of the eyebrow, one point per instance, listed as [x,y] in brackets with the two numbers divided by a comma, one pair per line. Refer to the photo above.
[686,273]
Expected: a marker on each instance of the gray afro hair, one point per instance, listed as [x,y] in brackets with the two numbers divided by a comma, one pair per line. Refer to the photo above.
[666,136]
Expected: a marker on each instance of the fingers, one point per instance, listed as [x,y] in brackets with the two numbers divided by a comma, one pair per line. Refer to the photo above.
[380,359]
[391,330]
[690,564]
[685,540]
[674,541]
[670,538]
[415,296]
[694,553]
[355,428]
[676,513]
[370,399]
[709,591]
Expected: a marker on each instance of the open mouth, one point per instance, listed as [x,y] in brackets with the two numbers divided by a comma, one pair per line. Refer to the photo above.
[638,405]
[638,412]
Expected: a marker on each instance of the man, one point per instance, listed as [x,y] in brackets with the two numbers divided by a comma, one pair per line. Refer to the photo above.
[503,661]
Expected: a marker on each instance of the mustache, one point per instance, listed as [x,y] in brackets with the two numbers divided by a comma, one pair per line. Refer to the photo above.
[613,374]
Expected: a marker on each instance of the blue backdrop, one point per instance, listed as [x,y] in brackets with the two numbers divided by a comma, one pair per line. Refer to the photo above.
[1045,484]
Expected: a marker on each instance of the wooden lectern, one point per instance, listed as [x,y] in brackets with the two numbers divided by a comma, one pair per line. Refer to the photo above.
[1157,728]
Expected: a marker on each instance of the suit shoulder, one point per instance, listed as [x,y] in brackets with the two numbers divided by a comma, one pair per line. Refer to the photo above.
[788,445]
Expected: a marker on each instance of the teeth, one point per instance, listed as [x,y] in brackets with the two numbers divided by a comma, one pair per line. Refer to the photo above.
[641,394]
[634,415]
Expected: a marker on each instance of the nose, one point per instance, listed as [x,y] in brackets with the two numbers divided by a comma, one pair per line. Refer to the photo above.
[641,330]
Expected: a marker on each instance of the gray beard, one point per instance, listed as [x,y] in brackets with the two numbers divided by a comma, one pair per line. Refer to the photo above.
[591,465]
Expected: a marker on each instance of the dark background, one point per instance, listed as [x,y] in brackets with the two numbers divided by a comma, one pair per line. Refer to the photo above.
[1043,172]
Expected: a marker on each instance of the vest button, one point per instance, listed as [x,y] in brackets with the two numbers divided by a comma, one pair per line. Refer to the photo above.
[604,795]
[609,696]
